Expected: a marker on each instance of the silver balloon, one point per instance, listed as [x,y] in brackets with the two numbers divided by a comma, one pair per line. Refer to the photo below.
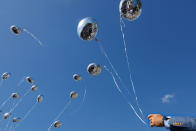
[34,88]
[77,77]
[15,95]
[39,98]
[57,124]
[130,9]
[5,76]
[16,30]
[16,119]
[29,80]
[87,29]
[6,115]
[94,69]
[73,95]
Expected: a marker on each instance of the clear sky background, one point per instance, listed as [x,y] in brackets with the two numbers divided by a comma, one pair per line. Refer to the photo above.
[161,47]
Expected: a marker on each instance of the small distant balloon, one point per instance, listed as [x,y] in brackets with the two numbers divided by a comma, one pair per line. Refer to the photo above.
[57,124]
[34,88]
[6,115]
[77,77]
[39,98]
[15,95]
[73,95]
[87,29]
[94,69]
[16,30]
[130,9]
[29,80]
[5,76]
[16,119]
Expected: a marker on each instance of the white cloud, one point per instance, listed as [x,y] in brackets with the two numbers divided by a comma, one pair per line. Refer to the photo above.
[167,98]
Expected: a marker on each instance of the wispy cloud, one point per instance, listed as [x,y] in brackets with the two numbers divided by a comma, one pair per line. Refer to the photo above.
[167,98]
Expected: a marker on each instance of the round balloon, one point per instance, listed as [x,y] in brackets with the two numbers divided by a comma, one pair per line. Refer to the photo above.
[16,119]
[16,30]
[15,95]
[73,95]
[87,29]
[39,98]
[130,9]
[6,115]
[5,76]
[94,69]
[57,124]
[34,88]
[29,80]
[77,77]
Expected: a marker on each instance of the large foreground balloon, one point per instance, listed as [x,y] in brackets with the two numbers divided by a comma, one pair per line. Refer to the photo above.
[87,29]
[130,9]
[94,69]
[16,30]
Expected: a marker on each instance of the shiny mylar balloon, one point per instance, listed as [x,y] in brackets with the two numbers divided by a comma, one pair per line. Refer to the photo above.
[94,69]
[39,98]
[5,76]
[130,9]
[16,119]
[73,95]
[87,29]
[16,30]
[57,124]
[77,77]
[15,95]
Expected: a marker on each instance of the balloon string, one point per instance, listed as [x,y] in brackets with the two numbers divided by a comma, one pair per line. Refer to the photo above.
[59,115]
[109,61]
[118,88]
[19,101]
[20,82]
[11,128]
[1,82]
[3,104]
[113,68]
[83,99]
[26,115]
[31,109]
[7,124]
[129,69]
[33,36]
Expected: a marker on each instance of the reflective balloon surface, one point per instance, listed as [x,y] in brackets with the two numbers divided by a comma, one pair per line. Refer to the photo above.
[87,29]
[77,77]
[57,124]
[39,98]
[15,95]
[16,119]
[5,75]
[29,80]
[94,69]
[16,30]
[73,95]
[130,9]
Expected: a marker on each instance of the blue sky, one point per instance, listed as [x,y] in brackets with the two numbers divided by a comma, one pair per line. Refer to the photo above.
[161,47]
